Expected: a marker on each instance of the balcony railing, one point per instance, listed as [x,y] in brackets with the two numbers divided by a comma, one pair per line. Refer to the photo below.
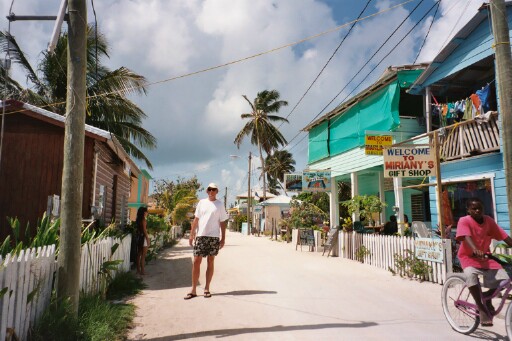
[469,138]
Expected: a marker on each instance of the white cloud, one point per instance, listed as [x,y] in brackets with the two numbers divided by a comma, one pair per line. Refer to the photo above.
[452,16]
[196,118]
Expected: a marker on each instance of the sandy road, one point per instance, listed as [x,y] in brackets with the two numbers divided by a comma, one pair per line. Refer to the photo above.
[265,290]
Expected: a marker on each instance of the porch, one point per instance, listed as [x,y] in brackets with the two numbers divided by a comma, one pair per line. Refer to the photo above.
[469,138]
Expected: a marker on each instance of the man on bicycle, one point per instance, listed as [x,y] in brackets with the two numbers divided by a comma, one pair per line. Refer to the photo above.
[475,232]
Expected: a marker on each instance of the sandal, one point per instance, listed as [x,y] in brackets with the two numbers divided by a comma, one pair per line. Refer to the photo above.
[189,296]
[485,320]
[207,294]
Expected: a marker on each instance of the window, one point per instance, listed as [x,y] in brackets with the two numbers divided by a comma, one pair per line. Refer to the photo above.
[455,196]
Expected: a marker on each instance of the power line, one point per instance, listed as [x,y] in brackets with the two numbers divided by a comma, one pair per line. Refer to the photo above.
[361,69]
[392,50]
[426,35]
[328,61]
[337,28]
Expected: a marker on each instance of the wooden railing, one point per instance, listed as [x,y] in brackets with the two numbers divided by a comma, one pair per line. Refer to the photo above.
[470,138]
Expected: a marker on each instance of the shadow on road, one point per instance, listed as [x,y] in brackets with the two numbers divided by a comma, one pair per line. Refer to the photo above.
[244,292]
[274,329]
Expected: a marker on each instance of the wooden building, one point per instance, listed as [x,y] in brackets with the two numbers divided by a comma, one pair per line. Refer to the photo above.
[31,169]
[139,194]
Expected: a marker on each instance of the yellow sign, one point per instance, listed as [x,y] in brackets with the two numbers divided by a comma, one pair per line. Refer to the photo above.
[373,144]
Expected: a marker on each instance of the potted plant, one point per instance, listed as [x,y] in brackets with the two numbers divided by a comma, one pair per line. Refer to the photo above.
[367,205]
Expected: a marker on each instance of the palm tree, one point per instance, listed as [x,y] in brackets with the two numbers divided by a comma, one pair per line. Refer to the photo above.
[263,133]
[108,107]
[277,164]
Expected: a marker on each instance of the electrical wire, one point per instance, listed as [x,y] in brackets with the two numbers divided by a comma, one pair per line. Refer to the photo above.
[364,79]
[426,35]
[337,28]
[329,60]
[375,67]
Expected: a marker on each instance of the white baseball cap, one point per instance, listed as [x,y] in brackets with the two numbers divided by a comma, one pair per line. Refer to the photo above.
[212,185]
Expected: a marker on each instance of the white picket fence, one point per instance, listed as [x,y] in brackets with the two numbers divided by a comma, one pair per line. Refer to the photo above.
[97,252]
[382,249]
[29,279]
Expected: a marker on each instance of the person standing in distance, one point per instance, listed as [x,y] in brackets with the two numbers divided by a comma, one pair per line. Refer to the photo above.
[209,224]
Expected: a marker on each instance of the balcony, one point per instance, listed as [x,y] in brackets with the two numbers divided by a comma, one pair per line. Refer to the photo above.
[469,138]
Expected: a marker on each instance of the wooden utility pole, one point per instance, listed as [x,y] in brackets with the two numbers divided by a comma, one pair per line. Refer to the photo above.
[504,83]
[226,199]
[249,198]
[439,185]
[73,170]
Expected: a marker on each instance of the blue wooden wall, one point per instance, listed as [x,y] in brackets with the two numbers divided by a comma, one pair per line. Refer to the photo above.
[490,163]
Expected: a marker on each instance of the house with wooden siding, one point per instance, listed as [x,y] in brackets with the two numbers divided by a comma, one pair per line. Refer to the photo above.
[31,168]
[337,141]
[471,150]
[139,194]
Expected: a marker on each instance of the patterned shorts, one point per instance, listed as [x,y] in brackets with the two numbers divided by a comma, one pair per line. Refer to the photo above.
[206,246]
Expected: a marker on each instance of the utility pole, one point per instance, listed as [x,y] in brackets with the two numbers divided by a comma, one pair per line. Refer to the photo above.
[73,170]
[504,82]
[226,199]
[249,195]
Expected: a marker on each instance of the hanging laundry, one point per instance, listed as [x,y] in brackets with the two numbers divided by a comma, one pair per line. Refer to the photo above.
[477,107]
[484,95]
[468,105]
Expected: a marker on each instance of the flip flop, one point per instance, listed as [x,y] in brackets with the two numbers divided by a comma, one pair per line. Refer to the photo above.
[207,294]
[189,296]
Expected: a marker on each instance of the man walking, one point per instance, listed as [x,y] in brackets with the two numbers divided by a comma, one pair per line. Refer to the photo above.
[209,223]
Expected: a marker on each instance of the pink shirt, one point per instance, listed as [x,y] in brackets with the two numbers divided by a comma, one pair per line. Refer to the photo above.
[482,234]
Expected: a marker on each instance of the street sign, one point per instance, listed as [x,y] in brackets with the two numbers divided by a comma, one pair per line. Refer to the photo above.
[373,144]
[409,161]
[316,181]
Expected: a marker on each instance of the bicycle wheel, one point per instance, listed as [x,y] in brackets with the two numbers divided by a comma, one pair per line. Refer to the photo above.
[459,317]
[508,321]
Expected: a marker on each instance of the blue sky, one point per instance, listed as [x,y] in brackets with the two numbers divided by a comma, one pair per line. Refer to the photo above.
[196,118]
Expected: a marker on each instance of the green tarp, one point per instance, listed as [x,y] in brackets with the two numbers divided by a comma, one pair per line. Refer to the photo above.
[379,112]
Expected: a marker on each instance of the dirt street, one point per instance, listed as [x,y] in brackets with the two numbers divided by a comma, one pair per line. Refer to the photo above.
[266,290]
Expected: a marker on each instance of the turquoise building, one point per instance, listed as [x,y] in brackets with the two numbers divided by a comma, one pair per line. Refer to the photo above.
[337,142]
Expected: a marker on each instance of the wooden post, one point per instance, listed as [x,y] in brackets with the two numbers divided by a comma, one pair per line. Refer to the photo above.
[249,195]
[73,169]
[439,185]
[504,84]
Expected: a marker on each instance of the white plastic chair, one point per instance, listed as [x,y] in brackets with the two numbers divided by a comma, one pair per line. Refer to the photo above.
[421,230]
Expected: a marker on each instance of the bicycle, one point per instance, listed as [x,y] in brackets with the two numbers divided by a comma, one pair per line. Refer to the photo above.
[460,308]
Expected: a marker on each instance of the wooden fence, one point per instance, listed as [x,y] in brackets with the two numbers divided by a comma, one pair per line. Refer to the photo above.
[97,252]
[27,280]
[381,252]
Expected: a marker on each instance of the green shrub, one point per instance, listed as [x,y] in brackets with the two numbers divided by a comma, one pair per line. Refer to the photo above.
[98,319]
[410,266]
[362,252]
[238,220]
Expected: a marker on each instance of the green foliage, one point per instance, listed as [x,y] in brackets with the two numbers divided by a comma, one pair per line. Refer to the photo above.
[97,319]
[123,285]
[56,323]
[362,252]
[155,224]
[347,224]
[320,199]
[169,193]
[367,205]
[305,214]
[410,266]
[238,220]
[47,233]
